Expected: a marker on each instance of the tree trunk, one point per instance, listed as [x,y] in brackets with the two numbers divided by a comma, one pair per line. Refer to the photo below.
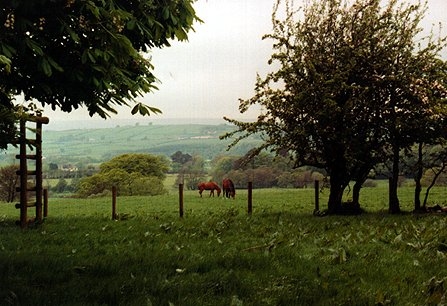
[417,195]
[356,193]
[394,206]
[338,178]
[360,179]
[338,181]
[335,197]
[417,180]
[437,173]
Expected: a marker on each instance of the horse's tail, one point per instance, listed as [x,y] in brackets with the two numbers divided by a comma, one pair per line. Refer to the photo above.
[232,186]
[232,189]
[228,187]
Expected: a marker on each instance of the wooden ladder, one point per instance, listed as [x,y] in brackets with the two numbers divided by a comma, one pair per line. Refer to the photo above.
[25,189]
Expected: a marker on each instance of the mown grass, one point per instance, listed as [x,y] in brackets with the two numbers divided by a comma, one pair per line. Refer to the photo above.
[219,255]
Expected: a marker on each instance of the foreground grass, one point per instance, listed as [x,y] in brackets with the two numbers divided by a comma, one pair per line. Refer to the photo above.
[218,255]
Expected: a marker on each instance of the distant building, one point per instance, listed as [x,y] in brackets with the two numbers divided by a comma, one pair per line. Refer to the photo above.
[68,168]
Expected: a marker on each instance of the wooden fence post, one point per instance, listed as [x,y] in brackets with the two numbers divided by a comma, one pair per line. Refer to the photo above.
[317,196]
[114,215]
[23,176]
[45,203]
[180,199]
[250,198]
[39,180]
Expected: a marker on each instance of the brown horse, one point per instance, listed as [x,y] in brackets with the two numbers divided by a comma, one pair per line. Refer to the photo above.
[228,188]
[209,186]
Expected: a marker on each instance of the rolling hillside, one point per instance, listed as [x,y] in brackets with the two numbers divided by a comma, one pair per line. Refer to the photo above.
[101,144]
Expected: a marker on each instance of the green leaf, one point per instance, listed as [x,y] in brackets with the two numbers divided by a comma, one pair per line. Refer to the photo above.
[131,24]
[154,110]
[8,51]
[180,34]
[34,46]
[134,109]
[98,53]
[5,62]
[95,81]
[91,57]
[46,67]
[73,34]
[166,13]
[91,6]
[55,65]
[174,20]
[84,57]
[145,110]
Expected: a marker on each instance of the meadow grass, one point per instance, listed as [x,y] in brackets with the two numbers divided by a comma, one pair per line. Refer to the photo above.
[217,254]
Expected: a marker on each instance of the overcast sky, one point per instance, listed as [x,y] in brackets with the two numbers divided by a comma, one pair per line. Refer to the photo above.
[205,77]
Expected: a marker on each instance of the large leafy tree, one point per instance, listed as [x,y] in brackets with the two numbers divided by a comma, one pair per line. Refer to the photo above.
[414,91]
[178,160]
[144,164]
[82,53]
[346,83]
[192,172]
[132,174]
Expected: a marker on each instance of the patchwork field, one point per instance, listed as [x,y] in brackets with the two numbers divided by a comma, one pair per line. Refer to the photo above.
[101,144]
[217,254]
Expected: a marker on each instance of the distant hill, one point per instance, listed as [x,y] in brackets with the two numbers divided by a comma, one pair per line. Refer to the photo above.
[60,124]
[100,144]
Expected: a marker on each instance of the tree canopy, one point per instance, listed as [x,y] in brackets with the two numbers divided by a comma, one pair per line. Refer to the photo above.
[144,164]
[132,174]
[354,84]
[79,53]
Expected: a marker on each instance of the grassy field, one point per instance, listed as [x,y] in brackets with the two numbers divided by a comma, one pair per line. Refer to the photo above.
[101,144]
[219,255]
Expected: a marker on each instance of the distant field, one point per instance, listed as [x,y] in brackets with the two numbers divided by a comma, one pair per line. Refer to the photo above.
[219,255]
[103,143]
[100,144]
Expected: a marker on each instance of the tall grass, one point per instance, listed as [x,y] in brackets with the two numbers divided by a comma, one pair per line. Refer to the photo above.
[219,255]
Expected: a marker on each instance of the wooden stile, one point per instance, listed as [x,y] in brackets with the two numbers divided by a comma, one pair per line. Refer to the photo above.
[24,173]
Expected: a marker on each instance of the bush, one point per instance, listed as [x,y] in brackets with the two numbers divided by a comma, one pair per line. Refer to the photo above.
[61,186]
[132,174]
[9,180]
[285,180]
[370,183]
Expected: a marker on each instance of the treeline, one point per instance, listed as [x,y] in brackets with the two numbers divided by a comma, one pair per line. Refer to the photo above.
[264,170]
[143,174]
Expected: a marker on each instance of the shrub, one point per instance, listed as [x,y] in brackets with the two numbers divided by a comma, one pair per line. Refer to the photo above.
[370,183]
[9,180]
[132,174]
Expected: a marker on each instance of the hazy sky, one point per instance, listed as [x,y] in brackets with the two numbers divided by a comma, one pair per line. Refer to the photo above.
[206,76]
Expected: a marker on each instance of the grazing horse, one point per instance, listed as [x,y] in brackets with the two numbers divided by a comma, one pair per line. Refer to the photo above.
[208,186]
[228,188]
